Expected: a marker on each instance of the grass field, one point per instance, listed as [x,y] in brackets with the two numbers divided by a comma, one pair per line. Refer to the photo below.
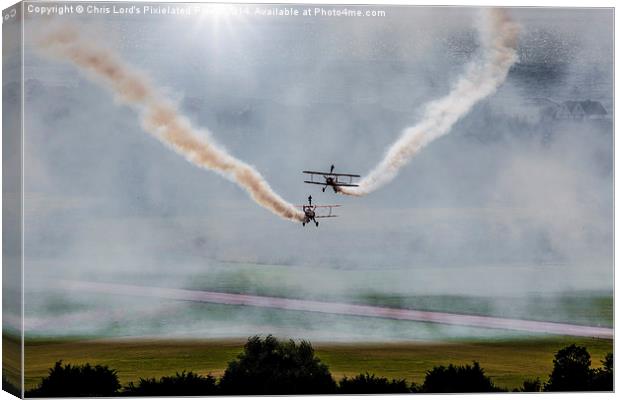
[11,360]
[507,362]
[410,348]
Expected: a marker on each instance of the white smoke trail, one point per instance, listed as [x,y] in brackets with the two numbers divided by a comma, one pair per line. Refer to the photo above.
[481,79]
[160,118]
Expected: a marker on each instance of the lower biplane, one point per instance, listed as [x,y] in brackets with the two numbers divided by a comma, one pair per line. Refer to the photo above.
[310,213]
[331,179]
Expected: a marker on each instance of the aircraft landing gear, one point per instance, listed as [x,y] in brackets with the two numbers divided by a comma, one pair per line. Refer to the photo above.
[323,189]
[317,223]
[303,224]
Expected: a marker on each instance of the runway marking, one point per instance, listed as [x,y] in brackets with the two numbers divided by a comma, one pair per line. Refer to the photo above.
[282,303]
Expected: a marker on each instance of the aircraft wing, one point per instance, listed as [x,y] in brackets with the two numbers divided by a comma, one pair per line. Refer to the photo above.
[329,213]
[313,206]
[332,184]
[330,174]
[350,175]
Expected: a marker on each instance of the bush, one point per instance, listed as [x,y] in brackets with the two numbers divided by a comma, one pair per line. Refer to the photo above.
[603,378]
[184,384]
[272,367]
[571,370]
[77,381]
[366,383]
[457,379]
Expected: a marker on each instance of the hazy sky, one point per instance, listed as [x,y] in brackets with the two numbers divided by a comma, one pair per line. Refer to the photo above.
[503,190]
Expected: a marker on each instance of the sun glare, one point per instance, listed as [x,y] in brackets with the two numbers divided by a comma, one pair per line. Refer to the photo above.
[221,18]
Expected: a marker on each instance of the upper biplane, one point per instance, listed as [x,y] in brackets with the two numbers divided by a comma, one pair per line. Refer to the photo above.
[332,179]
[310,213]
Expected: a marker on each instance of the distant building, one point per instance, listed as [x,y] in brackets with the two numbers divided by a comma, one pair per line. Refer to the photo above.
[572,110]
[590,109]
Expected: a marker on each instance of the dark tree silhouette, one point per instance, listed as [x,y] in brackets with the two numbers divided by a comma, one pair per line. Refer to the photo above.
[371,384]
[272,367]
[457,379]
[77,381]
[571,370]
[9,387]
[603,378]
[183,384]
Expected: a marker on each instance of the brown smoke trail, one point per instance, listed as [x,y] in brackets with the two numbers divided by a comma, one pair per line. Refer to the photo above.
[481,79]
[160,118]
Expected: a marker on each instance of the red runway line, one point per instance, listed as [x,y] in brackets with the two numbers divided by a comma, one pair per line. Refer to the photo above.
[342,309]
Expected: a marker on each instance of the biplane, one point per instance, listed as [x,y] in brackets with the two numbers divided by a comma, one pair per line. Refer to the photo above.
[310,213]
[332,179]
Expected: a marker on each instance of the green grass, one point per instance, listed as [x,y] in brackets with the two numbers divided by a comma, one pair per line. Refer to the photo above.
[131,358]
[508,362]
[579,307]
[586,307]
[11,359]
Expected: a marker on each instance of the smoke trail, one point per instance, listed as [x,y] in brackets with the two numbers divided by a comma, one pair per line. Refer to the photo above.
[481,79]
[161,118]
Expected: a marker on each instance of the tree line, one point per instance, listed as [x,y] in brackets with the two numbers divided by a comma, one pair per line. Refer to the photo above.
[274,367]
